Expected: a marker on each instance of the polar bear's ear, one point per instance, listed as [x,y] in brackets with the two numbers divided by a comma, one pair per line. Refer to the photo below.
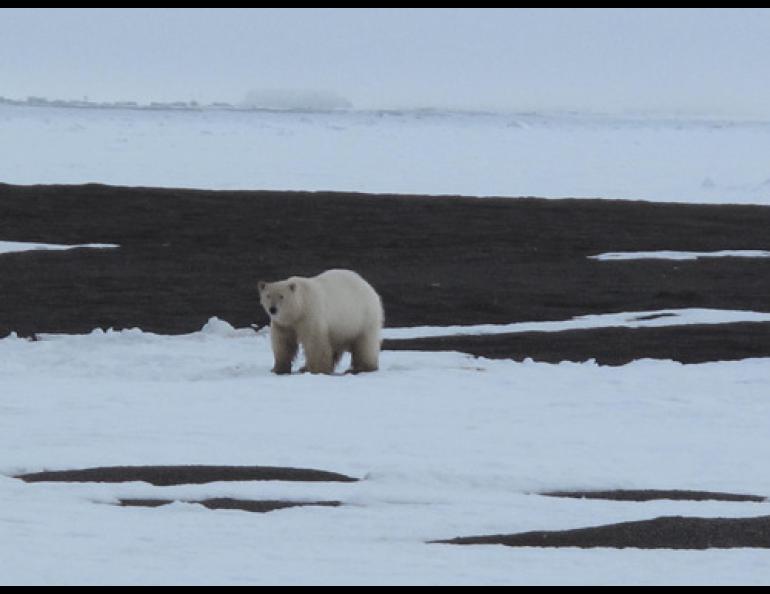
[261,286]
[292,287]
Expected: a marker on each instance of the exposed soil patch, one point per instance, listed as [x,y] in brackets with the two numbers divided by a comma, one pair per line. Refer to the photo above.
[672,532]
[262,506]
[654,494]
[179,475]
[654,317]
[187,255]
[610,346]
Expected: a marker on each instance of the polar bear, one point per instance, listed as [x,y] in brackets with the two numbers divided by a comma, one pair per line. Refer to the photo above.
[329,314]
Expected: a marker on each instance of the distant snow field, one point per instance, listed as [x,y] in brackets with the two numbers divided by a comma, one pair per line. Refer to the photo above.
[7,247]
[657,158]
[446,445]
[673,255]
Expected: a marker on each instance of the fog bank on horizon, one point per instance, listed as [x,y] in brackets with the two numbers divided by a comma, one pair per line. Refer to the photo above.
[694,61]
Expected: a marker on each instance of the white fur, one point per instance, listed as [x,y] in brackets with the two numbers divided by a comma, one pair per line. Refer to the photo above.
[329,314]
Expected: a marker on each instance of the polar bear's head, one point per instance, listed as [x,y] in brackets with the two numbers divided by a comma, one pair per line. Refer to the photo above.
[281,300]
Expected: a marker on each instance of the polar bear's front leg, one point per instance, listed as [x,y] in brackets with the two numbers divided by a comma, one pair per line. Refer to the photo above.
[285,346]
[319,355]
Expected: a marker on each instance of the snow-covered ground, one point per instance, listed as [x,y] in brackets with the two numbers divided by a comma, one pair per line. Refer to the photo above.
[446,445]
[683,159]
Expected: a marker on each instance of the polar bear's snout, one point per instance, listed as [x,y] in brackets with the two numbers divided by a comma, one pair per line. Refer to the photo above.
[270,298]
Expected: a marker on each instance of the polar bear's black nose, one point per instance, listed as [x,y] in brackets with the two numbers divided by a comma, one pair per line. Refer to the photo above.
[272,310]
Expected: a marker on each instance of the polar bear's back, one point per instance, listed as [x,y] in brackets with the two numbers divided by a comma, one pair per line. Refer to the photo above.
[351,304]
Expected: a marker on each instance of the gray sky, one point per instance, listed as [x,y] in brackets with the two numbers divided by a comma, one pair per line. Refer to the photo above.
[705,61]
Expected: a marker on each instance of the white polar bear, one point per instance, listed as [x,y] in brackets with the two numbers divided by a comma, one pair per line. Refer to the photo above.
[329,314]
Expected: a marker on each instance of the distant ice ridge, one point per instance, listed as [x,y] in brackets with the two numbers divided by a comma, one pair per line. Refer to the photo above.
[262,99]
[7,247]
[674,255]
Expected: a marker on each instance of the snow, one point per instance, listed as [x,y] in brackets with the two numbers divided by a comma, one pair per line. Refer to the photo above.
[657,158]
[446,445]
[7,247]
[674,255]
[636,319]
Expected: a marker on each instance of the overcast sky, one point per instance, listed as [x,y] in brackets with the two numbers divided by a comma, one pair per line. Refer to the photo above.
[702,61]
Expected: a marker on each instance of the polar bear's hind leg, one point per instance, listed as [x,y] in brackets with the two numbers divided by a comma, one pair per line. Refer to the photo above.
[366,353]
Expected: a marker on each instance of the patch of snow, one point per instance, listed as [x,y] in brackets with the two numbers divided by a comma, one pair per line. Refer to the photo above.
[674,255]
[636,319]
[216,327]
[7,247]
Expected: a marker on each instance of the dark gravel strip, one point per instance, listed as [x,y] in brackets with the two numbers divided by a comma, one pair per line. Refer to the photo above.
[187,255]
[695,343]
[178,475]
[655,494]
[671,532]
[261,506]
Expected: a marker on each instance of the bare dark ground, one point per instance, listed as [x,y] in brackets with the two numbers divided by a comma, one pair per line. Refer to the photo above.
[674,532]
[257,506]
[187,255]
[609,346]
[655,494]
[179,475]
